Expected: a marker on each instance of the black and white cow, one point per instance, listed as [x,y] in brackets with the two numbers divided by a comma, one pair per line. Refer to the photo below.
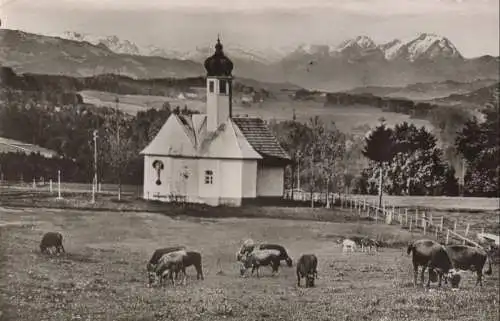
[249,246]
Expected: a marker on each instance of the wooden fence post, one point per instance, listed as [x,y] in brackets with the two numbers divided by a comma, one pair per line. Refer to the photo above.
[467,230]
[455,226]
[482,230]
[406,216]
[447,237]
[376,215]
[416,218]
[424,224]
[430,219]
[436,232]
[441,224]
[364,203]
[423,219]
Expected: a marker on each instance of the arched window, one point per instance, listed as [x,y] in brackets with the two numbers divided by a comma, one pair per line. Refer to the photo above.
[223,86]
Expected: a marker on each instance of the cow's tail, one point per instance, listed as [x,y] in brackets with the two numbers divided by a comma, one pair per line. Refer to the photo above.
[488,271]
[410,248]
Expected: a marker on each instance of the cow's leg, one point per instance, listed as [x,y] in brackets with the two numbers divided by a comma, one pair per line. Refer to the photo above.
[422,275]
[298,279]
[415,273]
[440,277]
[185,276]
[429,271]
[61,249]
[479,279]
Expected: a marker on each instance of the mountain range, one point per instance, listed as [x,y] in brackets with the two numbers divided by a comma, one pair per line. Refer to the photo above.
[357,62]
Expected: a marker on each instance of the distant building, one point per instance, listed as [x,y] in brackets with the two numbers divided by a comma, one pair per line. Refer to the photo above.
[214,158]
[14,146]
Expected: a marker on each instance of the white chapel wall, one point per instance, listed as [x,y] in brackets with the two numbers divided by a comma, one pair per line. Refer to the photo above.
[150,189]
[249,179]
[270,181]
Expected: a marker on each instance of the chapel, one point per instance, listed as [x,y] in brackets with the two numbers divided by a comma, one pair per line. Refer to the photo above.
[215,158]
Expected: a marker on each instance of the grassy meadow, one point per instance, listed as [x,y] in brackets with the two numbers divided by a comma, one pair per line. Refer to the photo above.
[102,275]
[356,119]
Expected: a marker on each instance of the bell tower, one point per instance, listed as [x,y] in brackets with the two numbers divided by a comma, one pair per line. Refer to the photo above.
[219,88]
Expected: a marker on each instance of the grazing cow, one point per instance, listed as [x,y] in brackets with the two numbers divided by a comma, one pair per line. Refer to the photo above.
[50,240]
[150,267]
[307,268]
[258,258]
[432,255]
[348,244]
[250,246]
[369,244]
[469,258]
[193,258]
[171,263]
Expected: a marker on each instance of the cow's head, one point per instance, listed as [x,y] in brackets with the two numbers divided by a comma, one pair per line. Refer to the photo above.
[310,279]
[158,166]
[243,268]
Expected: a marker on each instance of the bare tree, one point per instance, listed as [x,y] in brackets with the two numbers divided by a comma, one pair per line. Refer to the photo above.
[120,149]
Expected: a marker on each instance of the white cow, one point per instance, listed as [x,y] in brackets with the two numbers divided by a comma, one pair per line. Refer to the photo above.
[348,244]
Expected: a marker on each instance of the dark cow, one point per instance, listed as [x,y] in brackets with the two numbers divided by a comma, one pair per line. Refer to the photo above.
[369,244]
[258,258]
[432,255]
[469,258]
[307,268]
[193,258]
[50,240]
[150,267]
[249,246]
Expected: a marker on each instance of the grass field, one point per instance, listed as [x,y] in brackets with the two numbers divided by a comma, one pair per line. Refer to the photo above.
[102,276]
[347,118]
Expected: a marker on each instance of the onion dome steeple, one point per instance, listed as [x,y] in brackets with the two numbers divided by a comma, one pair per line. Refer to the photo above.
[218,64]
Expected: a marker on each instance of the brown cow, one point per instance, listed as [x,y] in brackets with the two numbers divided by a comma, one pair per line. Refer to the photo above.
[469,258]
[432,255]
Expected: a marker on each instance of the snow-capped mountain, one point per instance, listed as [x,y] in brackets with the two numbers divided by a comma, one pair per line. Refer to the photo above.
[360,42]
[198,54]
[425,46]
[113,43]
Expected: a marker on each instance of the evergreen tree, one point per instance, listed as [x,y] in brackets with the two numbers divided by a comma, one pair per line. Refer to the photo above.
[379,147]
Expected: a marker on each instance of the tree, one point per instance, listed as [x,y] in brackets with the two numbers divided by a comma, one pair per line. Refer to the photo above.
[294,137]
[478,143]
[120,151]
[380,149]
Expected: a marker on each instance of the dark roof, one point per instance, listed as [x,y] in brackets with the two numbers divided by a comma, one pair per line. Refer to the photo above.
[218,64]
[260,137]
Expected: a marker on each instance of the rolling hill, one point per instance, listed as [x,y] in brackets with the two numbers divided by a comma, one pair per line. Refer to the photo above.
[426,91]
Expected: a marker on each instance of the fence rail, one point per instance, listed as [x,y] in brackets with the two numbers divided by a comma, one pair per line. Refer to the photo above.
[412,219]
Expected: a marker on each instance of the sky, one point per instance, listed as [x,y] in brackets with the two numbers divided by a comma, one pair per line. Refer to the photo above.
[471,25]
